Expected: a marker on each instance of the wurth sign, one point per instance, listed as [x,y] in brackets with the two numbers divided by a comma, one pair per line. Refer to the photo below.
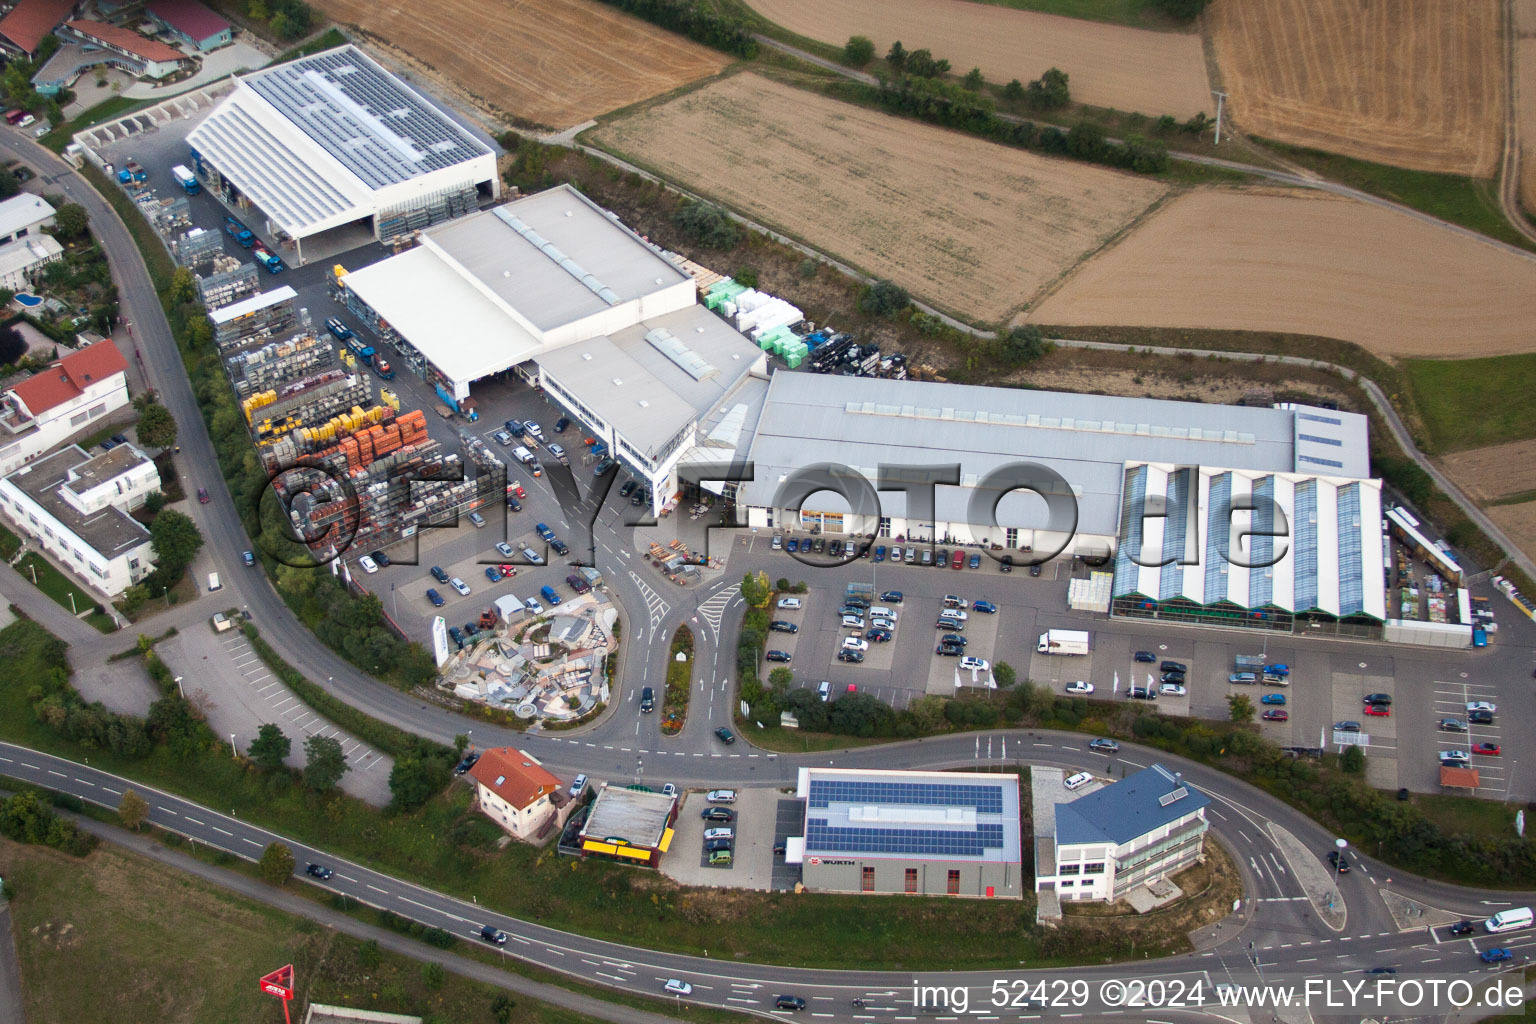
[280,984]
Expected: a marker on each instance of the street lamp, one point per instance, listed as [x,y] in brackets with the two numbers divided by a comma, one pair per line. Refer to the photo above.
[1339,845]
[180,689]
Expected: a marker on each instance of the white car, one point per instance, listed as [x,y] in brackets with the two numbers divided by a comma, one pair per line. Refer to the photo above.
[678,987]
[951,601]
[882,623]
[1482,705]
[853,643]
[532,604]
[1078,781]
[504,549]
[460,586]
[976,664]
[789,602]
[1171,690]
[1459,756]
[852,622]
[1079,687]
[953,613]
[367,565]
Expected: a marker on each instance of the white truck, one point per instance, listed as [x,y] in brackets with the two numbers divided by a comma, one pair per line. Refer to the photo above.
[1063,641]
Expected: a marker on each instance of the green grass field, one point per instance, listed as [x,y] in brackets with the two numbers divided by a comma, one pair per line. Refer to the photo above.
[56,585]
[1470,817]
[9,544]
[1469,403]
[1136,13]
[1471,202]
[160,944]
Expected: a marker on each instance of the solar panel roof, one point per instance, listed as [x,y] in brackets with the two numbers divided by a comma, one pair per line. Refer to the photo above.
[901,814]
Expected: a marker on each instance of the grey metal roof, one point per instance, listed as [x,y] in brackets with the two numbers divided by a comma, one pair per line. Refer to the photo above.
[365,117]
[648,392]
[1331,443]
[636,816]
[911,815]
[863,422]
[555,257]
[1125,810]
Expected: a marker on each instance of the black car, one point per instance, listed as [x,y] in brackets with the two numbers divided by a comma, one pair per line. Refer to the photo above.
[380,557]
[466,764]
[878,636]
[713,845]
[835,549]
[788,1003]
[628,488]
[513,505]
[1480,717]
[725,735]
[438,574]
[1174,666]
[819,545]
[1005,564]
[561,548]
[1463,928]
[1378,698]
[780,626]
[561,424]
[854,657]
[1141,693]
[948,651]
[1146,657]
[1174,677]
[1034,570]
[1339,861]
[724,814]
[952,640]
[319,871]
[891,597]
[637,499]
[495,936]
[777,656]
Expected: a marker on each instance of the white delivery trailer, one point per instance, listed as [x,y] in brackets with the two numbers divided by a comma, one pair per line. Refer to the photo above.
[1063,641]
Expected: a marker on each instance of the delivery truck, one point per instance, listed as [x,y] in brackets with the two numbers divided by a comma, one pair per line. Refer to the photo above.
[1063,641]
[186,180]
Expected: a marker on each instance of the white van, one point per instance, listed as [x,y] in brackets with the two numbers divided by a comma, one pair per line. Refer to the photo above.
[825,690]
[882,612]
[1078,781]
[1509,920]
[213,582]
[522,455]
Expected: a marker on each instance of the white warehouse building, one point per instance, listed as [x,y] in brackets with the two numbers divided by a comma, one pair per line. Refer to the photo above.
[334,143]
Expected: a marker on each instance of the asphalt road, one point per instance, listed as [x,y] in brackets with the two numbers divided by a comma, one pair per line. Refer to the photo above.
[13,1009]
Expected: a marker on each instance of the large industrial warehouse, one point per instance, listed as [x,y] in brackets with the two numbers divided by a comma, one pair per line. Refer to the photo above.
[554,287]
[333,149]
[935,833]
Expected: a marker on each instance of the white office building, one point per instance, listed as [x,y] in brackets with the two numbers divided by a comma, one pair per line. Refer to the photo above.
[75,506]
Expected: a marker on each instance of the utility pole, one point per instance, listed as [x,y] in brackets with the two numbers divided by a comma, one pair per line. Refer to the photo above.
[1220,96]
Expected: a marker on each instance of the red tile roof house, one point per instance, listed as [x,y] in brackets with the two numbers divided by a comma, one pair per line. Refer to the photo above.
[140,55]
[190,22]
[29,23]
[518,793]
[68,397]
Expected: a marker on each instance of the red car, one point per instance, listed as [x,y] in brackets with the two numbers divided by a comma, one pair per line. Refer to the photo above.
[1379,710]
[958,561]
[1491,749]
[517,489]
[202,495]
[1277,716]
[507,571]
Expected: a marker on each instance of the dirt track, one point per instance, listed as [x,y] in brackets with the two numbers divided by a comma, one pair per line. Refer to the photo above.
[1415,83]
[1525,107]
[1262,260]
[1109,65]
[974,227]
[552,62]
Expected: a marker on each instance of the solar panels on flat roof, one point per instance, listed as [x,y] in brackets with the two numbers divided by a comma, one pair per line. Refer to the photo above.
[972,842]
[367,119]
[986,799]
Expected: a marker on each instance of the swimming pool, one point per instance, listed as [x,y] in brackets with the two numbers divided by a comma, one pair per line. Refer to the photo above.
[30,301]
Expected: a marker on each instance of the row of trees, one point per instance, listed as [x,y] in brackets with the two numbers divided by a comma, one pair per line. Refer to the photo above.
[698,21]
[286,19]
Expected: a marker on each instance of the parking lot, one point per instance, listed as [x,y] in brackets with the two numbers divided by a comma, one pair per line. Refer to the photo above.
[753,863]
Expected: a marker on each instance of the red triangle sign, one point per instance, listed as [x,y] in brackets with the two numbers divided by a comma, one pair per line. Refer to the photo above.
[279,983]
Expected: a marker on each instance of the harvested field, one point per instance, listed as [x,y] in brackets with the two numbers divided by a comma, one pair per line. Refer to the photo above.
[1492,472]
[1525,103]
[1109,65]
[1416,83]
[551,62]
[1262,260]
[974,227]
[1519,521]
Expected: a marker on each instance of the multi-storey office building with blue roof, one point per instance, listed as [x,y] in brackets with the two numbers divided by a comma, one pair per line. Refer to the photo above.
[934,833]
[1134,832]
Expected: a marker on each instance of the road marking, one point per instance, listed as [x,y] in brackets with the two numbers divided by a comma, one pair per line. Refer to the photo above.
[217,829]
[59,774]
[377,889]
[258,845]
[112,791]
[554,951]
[1308,960]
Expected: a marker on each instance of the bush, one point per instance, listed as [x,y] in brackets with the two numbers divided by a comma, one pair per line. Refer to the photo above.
[1014,90]
[1049,91]
[696,21]
[746,276]
[973,80]
[1024,344]
[276,864]
[1181,10]
[858,51]
[884,298]
[707,224]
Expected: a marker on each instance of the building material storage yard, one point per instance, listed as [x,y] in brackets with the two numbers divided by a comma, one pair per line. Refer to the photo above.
[966,224]
[1306,265]
[1109,65]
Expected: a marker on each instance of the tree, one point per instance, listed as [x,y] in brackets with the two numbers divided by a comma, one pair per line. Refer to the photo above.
[276,863]
[460,742]
[12,346]
[707,224]
[858,51]
[1239,708]
[183,287]
[1049,91]
[324,763]
[896,57]
[132,810]
[270,748]
[1086,140]
[154,501]
[921,64]
[280,25]
[175,538]
[884,298]
[156,427]
[1004,674]
[1353,760]
[70,221]
[501,1008]
[433,976]
[133,598]
[1014,90]
[781,679]
[256,10]
[755,589]
[415,780]
[9,186]
[1024,344]
[369,954]
[1182,10]
[746,276]
[973,80]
